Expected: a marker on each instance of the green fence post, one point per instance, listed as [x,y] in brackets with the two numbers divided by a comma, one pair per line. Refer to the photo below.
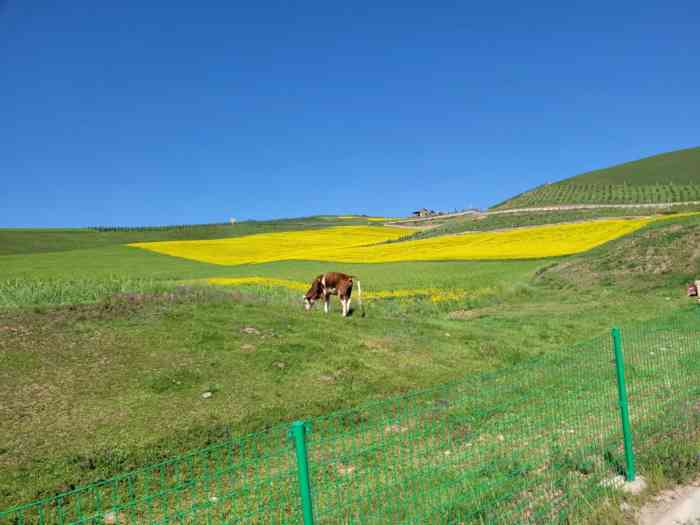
[298,434]
[624,406]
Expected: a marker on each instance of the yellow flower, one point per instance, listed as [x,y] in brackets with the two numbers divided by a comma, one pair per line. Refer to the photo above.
[364,244]
[268,247]
[521,243]
[261,281]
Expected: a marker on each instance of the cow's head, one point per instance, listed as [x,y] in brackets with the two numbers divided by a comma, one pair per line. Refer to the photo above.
[314,293]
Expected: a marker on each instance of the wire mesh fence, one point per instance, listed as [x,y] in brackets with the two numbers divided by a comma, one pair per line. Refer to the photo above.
[538,443]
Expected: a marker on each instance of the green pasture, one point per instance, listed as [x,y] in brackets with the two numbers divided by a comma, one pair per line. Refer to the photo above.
[73,276]
[104,355]
[41,240]
[675,167]
[92,390]
[525,444]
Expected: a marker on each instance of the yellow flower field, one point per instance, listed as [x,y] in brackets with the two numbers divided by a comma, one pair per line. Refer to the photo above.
[520,243]
[363,244]
[282,246]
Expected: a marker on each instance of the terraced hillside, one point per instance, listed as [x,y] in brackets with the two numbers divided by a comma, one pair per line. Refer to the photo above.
[666,178]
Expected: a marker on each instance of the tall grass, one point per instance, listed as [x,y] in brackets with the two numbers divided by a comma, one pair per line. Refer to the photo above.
[18,293]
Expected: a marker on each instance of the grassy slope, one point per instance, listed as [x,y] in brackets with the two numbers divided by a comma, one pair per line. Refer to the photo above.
[93,390]
[677,167]
[669,177]
[27,240]
[663,251]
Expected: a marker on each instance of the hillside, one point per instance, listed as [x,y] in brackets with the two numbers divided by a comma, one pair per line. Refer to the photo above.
[663,254]
[521,219]
[669,177]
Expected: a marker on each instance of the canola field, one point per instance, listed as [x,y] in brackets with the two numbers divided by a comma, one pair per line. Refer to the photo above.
[306,245]
[367,244]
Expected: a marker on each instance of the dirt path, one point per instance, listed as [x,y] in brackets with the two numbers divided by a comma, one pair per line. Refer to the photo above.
[677,506]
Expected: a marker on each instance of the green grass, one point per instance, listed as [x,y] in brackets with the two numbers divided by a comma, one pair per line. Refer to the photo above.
[153,360]
[670,177]
[676,167]
[81,270]
[127,375]
[37,240]
[115,382]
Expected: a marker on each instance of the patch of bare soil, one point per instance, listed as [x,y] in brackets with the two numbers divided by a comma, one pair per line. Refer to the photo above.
[379,344]
[465,315]
[510,311]
[680,505]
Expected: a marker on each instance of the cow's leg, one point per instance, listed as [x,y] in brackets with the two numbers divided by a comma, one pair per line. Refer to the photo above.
[326,303]
[347,304]
[344,302]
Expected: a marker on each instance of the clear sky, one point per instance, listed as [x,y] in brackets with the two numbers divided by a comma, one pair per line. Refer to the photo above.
[138,112]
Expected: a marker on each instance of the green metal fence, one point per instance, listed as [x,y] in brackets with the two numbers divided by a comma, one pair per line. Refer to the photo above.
[532,444]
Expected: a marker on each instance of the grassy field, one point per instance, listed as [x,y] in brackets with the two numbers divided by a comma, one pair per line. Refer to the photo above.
[104,356]
[670,177]
[38,240]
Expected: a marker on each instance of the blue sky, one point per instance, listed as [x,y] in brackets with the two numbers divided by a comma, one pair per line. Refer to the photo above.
[174,112]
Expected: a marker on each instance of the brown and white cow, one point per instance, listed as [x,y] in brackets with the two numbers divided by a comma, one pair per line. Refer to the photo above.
[332,283]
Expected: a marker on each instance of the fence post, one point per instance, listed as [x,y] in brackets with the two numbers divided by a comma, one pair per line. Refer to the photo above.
[298,434]
[631,473]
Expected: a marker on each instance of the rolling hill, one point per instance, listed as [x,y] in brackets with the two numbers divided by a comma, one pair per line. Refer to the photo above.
[668,177]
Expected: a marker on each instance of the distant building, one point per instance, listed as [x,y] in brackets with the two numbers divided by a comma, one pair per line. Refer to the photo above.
[232,221]
[424,212]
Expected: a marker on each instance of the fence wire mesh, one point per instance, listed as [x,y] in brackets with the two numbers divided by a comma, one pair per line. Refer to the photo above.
[537,443]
